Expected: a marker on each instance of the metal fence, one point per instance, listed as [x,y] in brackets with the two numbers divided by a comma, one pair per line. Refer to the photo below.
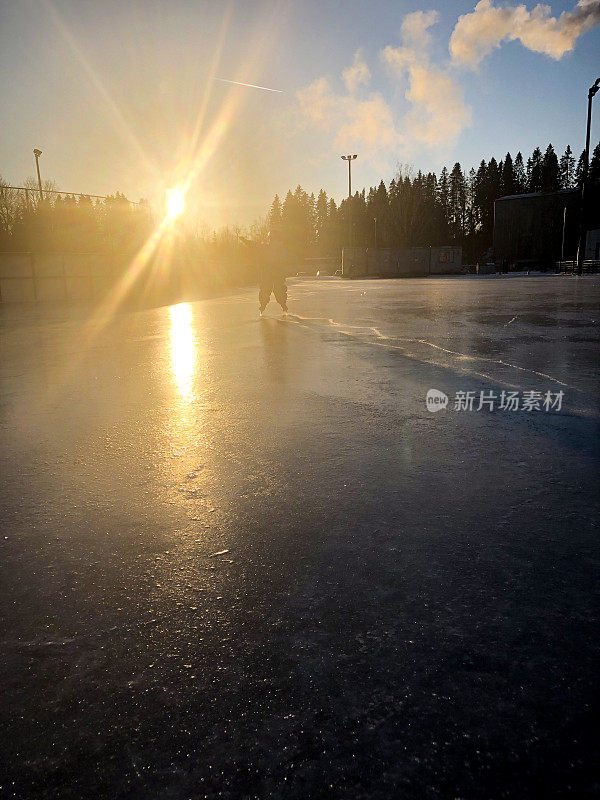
[590,266]
[52,277]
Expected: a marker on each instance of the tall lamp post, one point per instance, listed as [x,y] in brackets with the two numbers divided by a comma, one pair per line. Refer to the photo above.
[375,221]
[582,222]
[349,159]
[37,154]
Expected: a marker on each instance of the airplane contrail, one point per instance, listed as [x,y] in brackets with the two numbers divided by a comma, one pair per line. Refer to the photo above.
[251,85]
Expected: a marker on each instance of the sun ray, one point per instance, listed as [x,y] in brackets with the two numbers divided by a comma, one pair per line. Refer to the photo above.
[258,52]
[119,119]
[194,139]
[157,247]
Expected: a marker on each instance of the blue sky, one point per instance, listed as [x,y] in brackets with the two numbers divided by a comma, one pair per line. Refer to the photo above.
[112,91]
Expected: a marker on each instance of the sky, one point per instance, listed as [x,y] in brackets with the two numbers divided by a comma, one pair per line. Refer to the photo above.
[125,94]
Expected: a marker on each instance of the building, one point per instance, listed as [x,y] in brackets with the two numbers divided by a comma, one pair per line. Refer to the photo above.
[592,245]
[536,230]
[360,262]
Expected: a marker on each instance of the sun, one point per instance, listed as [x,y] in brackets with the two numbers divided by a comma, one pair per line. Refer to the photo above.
[175,202]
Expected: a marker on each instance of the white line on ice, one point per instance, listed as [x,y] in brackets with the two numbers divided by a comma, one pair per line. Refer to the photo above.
[386,341]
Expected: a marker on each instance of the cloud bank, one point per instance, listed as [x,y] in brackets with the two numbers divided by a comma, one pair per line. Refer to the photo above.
[477,34]
[368,121]
[359,117]
[436,112]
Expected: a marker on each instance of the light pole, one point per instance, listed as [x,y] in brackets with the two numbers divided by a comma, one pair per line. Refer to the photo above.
[37,154]
[375,221]
[582,226]
[349,159]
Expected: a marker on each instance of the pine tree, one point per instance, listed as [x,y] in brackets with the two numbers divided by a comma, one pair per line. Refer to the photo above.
[362,226]
[394,202]
[457,201]
[332,238]
[472,215]
[594,170]
[312,219]
[566,169]
[432,231]
[520,176]
[494,176]
[480,192]
[550,171]
[321,221]
[393,193]
[580,170]
[508,176]
[534,171]
[274,216]
[380,210]
[300,221]
[289,220]
[488,187]
[444,193]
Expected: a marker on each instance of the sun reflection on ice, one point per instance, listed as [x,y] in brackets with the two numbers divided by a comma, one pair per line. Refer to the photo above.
[183,350]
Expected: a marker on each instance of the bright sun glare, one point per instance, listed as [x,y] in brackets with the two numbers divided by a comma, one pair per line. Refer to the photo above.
[175,202]
[183,353]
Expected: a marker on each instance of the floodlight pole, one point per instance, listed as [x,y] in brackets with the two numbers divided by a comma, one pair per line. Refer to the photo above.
[582,222]
[37,154]
[349,159]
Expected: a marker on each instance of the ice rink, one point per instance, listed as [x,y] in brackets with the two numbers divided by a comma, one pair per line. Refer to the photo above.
[242,559]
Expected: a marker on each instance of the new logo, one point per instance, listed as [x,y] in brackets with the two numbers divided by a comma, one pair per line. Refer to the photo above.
[436,400]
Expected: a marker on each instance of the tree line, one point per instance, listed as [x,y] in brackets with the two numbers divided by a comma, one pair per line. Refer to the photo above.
[182,263]
[70,223]
[414,209]
[424,209]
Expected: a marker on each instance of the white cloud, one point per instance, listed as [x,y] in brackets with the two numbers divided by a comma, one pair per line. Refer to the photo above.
[372,123]
[357,75]
[481,31]
[415,28]
[352,121]
[438,112]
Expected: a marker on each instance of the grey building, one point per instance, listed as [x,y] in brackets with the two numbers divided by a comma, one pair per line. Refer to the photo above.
[592,245]
[387,262]
[537,229]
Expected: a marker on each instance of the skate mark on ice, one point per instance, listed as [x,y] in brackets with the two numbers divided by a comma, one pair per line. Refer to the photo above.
[387,341]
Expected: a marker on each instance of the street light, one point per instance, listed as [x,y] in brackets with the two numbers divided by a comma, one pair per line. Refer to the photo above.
[349,159]
[37,154]
[375,221]
[582,228]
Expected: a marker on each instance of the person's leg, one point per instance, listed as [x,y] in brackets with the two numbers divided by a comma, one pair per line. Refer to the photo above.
[264,292]
[280,289]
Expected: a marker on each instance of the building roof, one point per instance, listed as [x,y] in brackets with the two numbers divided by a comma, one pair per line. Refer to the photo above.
[558,192]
